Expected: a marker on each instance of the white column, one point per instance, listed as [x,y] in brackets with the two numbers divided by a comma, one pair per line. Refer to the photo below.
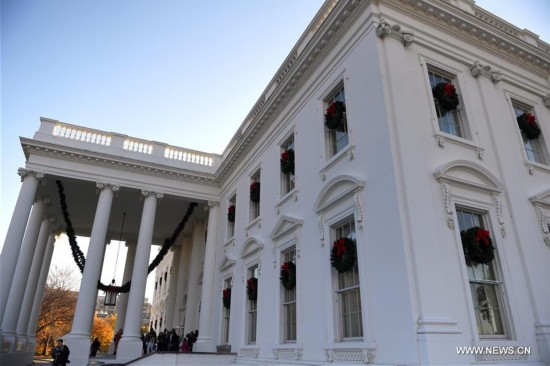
[40,287]
[204,343]
[182,282]
[192,307]
[127,276]
[130,346]
[172,288]
[78,340]
[20,276]
[122,302]
[34,274]
[16,230]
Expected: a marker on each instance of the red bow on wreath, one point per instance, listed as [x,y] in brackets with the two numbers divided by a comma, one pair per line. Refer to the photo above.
[285,268]
[531,119]
[250,284]
[331,110]
[482,237]
[284,156]
[340,247]
[449,89]
[226,292]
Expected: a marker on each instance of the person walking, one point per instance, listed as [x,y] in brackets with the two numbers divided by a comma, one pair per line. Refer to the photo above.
[60,354]
[95,347]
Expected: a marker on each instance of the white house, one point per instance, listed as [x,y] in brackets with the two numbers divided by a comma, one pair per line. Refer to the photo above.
[409,123]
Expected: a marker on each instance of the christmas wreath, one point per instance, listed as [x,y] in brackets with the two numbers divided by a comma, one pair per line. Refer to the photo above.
[335,115]
[477,246]
[231,213]
[528,125]
[252,288]
[446,96]
[288,275]
[255,192]
[226,298]
[343,254]
[287,161]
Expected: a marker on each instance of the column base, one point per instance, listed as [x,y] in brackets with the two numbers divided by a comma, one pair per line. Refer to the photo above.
[129,348]
[79,346]
[8,342]
[204,345]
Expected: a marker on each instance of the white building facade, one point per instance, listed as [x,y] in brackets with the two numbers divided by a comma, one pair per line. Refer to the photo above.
[386,183]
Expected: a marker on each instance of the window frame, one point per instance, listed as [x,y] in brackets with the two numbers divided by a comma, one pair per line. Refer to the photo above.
[526,107]
[337,278]
[332,140]
[288,180]
[254,207]
[498,282]
[286,303]
[251,332]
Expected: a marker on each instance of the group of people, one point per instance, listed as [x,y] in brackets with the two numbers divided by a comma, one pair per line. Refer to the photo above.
[168,341]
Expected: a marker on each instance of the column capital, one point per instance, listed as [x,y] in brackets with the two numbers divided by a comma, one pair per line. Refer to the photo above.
[212,204]
[23,173]
[146,193]
[101,185]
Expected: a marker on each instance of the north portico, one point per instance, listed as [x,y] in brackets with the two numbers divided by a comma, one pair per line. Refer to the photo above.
[104,177]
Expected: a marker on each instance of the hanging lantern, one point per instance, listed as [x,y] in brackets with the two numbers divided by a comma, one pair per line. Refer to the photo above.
[111,295]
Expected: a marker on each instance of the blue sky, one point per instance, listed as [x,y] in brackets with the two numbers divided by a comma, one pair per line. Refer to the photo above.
[181,72]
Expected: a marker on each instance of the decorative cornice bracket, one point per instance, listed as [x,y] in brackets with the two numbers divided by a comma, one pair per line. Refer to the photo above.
[384,29]
[477,69]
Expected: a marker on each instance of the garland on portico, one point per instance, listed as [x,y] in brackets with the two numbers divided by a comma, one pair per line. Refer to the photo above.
[80,260]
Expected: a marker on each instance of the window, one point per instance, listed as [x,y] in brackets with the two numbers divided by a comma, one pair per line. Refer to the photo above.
[255,196]
[226,315]
[287,166]
[252,309]
[349,293]
[533,148]
[289,303]
[485,285]
[231,216]
[450,122]
[337,138]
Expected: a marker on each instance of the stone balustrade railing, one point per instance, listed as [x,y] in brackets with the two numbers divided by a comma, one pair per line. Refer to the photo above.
[121,145]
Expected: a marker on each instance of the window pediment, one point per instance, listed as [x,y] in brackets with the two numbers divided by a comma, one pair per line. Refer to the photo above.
[228,261]
[542,198]
[251,246]
[468,174]
[284,225]
[336,190]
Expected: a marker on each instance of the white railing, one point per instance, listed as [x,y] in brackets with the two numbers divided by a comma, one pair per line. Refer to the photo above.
[138,146]
[112,143]
[189,156]
[80,134]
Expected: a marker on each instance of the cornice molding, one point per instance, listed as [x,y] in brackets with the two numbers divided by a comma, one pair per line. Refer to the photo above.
[481,28]
[67,153]
[325,30]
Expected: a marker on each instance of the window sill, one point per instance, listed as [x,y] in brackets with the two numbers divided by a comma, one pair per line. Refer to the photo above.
[492,342]
[249,351]
[533,165]
[229,242]
[256,221]
[348,151]
[442,138]
[287,197]
[351,352]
